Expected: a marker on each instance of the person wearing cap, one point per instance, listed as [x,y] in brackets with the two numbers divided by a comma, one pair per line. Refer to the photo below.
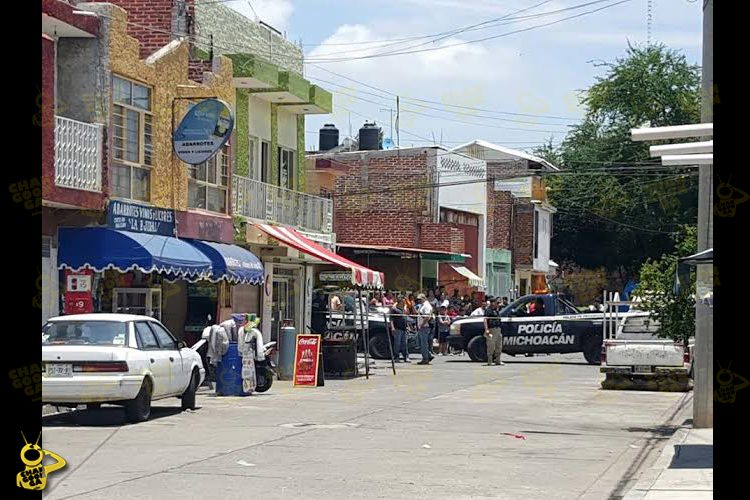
[493,334]
[424,311]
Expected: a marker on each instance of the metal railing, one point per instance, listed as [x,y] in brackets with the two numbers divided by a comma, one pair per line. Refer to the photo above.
[262,201]
[78,154]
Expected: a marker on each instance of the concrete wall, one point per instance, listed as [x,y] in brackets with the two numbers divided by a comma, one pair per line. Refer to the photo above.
[234,33]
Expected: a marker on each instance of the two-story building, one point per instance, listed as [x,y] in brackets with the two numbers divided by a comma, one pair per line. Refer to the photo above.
[405,212]
[131,83]
[519,228]
[131,227]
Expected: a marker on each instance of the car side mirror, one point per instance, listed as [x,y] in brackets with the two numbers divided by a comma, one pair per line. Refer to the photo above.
[181,344]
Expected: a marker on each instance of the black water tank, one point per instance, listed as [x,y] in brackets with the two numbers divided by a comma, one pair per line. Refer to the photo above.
[329,137]
[369,137]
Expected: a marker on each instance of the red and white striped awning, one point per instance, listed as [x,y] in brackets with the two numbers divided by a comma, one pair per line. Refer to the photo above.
[361,276]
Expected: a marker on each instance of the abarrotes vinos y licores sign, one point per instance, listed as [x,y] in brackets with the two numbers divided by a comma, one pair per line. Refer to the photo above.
[203,131]
[140,218]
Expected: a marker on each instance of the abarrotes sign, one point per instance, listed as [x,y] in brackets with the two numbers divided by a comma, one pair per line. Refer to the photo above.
[140,218]
[203,131]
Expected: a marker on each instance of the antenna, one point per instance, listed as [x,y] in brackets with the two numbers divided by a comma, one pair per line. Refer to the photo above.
[37,439]
[650,18]
[257,18]
[24,438]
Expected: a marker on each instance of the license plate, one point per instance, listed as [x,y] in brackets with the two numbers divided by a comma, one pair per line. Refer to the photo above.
[58,370]
[642,369]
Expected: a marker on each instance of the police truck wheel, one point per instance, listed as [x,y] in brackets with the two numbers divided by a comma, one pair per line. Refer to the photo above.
[379,347]
[592,351]
[477,348]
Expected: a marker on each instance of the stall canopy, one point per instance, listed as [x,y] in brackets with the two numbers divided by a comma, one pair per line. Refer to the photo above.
[361,276]
[474,280]
[231,262]
[101,248]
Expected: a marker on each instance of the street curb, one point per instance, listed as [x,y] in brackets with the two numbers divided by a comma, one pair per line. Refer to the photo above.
[649,476]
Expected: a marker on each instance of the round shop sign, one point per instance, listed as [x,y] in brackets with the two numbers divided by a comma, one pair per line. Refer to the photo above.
[203,131]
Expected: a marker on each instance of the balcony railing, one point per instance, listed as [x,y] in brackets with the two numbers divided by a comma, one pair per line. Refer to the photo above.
[78,154]
[258,200]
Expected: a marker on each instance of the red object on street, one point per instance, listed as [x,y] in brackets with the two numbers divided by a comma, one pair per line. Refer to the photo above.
[517,436]
[306,358]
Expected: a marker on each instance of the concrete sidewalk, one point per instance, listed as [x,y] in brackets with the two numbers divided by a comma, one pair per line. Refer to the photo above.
[684,470]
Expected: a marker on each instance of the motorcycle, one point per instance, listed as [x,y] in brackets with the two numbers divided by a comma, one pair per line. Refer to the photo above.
[265,370]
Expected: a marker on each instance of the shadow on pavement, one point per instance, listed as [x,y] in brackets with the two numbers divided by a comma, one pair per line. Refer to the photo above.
[106,416]
[693,456]
[661,430]
[523,362]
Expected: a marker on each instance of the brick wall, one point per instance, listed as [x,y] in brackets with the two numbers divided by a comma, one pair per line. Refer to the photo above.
[151,22]
[47,103]
[381,218]
[523,252]
[197,68]
[499,219]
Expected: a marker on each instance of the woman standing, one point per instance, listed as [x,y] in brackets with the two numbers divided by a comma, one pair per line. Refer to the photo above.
[444,324]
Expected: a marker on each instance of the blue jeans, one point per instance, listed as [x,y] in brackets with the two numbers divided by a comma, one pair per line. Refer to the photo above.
[399,344]
[425,336]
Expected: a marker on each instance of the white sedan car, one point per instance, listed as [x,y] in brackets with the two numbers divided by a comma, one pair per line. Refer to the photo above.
[118,359]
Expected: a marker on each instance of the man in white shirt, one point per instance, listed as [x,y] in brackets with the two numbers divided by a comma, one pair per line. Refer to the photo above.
[424,311]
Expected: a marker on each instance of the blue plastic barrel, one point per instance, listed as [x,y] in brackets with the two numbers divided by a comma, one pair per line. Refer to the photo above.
[229,373]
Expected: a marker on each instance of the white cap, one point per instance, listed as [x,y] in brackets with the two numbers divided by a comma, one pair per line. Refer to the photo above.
[445,303]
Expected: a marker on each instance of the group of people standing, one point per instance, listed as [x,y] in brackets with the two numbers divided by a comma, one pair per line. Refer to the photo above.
[433,314]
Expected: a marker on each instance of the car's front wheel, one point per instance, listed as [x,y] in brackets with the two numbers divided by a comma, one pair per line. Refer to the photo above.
[139,409]
[477,348]
[188,397]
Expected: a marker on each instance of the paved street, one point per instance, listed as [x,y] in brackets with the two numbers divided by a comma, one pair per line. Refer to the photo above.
[430,432]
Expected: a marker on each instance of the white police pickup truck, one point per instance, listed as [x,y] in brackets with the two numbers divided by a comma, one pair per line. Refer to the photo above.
[637,358]
[557,328]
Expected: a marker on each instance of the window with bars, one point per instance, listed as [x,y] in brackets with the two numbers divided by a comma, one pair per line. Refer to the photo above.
[132,141]
[208,186]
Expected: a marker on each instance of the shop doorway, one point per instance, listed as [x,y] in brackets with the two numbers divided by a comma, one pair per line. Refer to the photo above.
[285,302]
[142,301]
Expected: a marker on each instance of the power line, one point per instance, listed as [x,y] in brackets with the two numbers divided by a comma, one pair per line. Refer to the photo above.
[389,93]
[430,107]
[396,53]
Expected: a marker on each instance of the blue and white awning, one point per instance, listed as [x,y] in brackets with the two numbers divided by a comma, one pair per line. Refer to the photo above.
[231,262]
[101,248]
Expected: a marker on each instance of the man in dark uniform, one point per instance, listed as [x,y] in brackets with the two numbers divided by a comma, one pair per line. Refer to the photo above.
[493,334]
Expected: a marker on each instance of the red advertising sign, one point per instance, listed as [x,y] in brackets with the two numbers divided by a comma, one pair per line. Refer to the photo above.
[306,358]
[78,298]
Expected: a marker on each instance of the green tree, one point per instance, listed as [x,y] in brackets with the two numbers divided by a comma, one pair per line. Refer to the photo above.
[616,206]
[675,312]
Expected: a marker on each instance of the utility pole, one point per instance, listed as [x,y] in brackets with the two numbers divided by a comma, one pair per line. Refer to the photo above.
[703,412]
[398,114]
[391,110]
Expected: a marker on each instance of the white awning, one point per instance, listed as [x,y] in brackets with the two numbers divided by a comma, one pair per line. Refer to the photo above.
[474,280]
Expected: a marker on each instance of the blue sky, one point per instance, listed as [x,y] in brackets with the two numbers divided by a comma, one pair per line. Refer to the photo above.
[536,72]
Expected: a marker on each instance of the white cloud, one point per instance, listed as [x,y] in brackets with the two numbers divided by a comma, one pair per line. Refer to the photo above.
[674,40]
[273,12]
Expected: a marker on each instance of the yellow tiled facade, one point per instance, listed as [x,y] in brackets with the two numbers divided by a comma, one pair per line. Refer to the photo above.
[166,73]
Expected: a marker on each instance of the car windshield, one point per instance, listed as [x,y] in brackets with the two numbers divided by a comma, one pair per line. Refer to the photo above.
[112,333]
